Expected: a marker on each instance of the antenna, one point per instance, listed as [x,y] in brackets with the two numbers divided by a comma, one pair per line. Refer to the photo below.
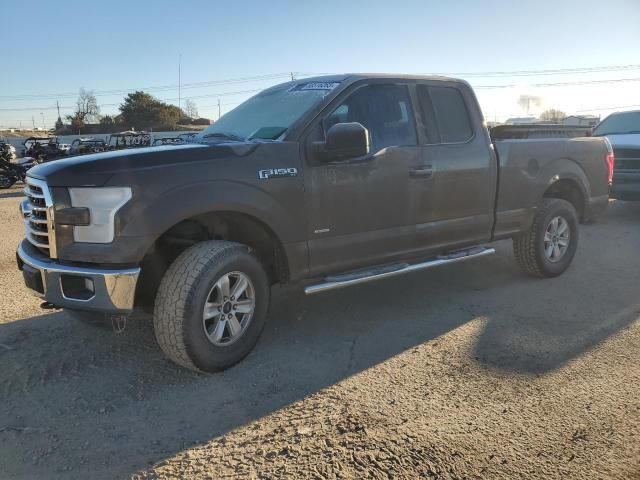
[179,79]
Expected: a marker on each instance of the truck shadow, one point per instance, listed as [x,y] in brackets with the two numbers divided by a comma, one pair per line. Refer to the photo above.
[83,402]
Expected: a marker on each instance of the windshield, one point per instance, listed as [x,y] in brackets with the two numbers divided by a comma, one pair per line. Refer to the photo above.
[268,114]
[625,122]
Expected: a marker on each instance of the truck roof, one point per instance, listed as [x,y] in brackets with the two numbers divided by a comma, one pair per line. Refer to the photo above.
[353,77]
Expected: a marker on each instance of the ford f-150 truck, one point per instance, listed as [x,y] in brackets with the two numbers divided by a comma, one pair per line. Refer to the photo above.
[622,130]
[327,182]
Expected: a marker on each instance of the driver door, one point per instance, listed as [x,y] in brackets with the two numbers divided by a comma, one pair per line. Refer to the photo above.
[359,209]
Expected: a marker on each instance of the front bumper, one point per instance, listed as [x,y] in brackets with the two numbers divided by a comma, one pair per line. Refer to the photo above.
[78,288]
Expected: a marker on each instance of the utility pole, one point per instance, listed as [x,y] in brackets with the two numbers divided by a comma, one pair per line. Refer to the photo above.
[42,115]
[58,107]
[33,122]
[179,79]
[218,109]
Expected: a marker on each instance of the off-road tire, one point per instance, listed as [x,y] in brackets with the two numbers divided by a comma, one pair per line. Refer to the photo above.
[528,247]
[183,291]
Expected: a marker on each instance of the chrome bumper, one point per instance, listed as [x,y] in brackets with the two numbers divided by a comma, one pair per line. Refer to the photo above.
[113,290]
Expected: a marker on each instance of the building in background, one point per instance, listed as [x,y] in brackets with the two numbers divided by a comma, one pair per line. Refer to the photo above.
[581,120]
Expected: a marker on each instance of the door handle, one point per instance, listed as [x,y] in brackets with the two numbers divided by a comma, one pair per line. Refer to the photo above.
[423,171]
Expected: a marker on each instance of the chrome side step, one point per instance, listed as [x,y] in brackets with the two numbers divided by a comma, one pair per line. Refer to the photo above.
[348,279]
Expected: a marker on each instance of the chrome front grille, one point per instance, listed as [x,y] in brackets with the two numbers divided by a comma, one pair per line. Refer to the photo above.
[37,211]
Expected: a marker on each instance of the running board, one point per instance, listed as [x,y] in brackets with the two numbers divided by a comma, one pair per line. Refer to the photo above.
[355,278]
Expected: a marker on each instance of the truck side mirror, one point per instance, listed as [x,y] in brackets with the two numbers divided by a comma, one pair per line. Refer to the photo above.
[344,141]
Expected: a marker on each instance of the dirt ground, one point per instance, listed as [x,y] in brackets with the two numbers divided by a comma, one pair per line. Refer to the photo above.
[468,371]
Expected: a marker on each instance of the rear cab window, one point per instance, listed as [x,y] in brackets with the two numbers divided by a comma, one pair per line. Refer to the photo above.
[445,114]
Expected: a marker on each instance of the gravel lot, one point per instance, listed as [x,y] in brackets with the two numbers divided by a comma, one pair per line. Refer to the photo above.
[469,371]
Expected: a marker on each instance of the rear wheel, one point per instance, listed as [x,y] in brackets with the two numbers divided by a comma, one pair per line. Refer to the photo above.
[548,247]
[211,306]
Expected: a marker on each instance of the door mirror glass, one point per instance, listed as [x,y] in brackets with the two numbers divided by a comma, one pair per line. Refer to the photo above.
[344,141]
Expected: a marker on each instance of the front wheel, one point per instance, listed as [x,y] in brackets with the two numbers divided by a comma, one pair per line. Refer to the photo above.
[548,247]
[211,306]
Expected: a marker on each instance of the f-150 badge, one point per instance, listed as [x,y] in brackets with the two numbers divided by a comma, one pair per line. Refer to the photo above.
[277,172]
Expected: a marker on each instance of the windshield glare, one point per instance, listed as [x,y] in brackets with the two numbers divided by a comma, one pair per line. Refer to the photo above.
[626,122]
[270,113]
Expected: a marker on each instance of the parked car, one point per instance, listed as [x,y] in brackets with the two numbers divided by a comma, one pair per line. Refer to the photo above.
[128,139]
[82,146]
[328,182]
[622,129]
[45,148]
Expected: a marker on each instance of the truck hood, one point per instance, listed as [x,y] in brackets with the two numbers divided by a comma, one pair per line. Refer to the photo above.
[626,140]
[95,170]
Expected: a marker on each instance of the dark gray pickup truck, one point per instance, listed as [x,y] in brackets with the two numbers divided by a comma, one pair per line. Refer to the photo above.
[327,182]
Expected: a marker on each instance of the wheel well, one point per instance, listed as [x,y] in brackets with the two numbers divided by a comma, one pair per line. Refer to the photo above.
[570,191]
[232,226]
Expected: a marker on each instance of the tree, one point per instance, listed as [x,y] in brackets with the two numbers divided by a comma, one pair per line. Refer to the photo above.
[553,115]
[59,125]
[190,108]
[107,121]
[76,123]
[86,110]
[142,111]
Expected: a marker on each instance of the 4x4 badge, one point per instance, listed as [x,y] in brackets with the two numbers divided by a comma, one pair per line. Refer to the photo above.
[277,172]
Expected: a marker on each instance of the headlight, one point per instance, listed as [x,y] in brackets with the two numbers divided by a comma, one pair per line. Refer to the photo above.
[103,204]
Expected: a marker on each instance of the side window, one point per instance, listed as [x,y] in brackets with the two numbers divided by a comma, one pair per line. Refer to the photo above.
[385,110]
[450,111]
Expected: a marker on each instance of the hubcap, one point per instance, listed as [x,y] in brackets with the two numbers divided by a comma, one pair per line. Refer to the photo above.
[229,309]
[556,239]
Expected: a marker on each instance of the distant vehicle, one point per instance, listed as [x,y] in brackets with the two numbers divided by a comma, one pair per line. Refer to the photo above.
[7,151]
[541,130]
[128,139]
[81,146]
[12,172]
[623,131]
[328,181]
[188,137]
[167,141]
[45,148]
[179,140]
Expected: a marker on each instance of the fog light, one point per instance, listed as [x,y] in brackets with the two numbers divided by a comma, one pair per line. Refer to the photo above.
[77,288]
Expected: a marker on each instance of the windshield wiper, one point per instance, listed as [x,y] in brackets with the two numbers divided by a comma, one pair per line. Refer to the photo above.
[228,136]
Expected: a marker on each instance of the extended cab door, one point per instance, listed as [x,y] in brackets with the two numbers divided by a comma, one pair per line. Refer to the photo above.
[359,209]
[453,186]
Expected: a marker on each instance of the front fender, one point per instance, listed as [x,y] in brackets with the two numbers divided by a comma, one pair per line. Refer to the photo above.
[194,199]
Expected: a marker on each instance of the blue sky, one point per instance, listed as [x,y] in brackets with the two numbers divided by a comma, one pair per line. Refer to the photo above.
[58,47]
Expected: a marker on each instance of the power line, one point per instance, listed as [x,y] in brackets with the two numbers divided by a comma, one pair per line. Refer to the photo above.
[619,107]
[283,75]
[100,93]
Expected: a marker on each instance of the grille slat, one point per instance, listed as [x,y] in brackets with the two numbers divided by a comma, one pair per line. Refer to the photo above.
[627,159]
[38,218]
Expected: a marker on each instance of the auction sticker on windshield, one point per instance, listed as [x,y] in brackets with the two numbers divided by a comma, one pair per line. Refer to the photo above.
[316,86]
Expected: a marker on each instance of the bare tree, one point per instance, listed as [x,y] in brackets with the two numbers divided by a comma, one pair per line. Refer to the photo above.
[86,110]
[527,101]
[190,108]
[87,106]
[553,115]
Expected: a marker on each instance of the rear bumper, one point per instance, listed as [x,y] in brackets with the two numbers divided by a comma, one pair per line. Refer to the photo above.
[626,186]
[77,288]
